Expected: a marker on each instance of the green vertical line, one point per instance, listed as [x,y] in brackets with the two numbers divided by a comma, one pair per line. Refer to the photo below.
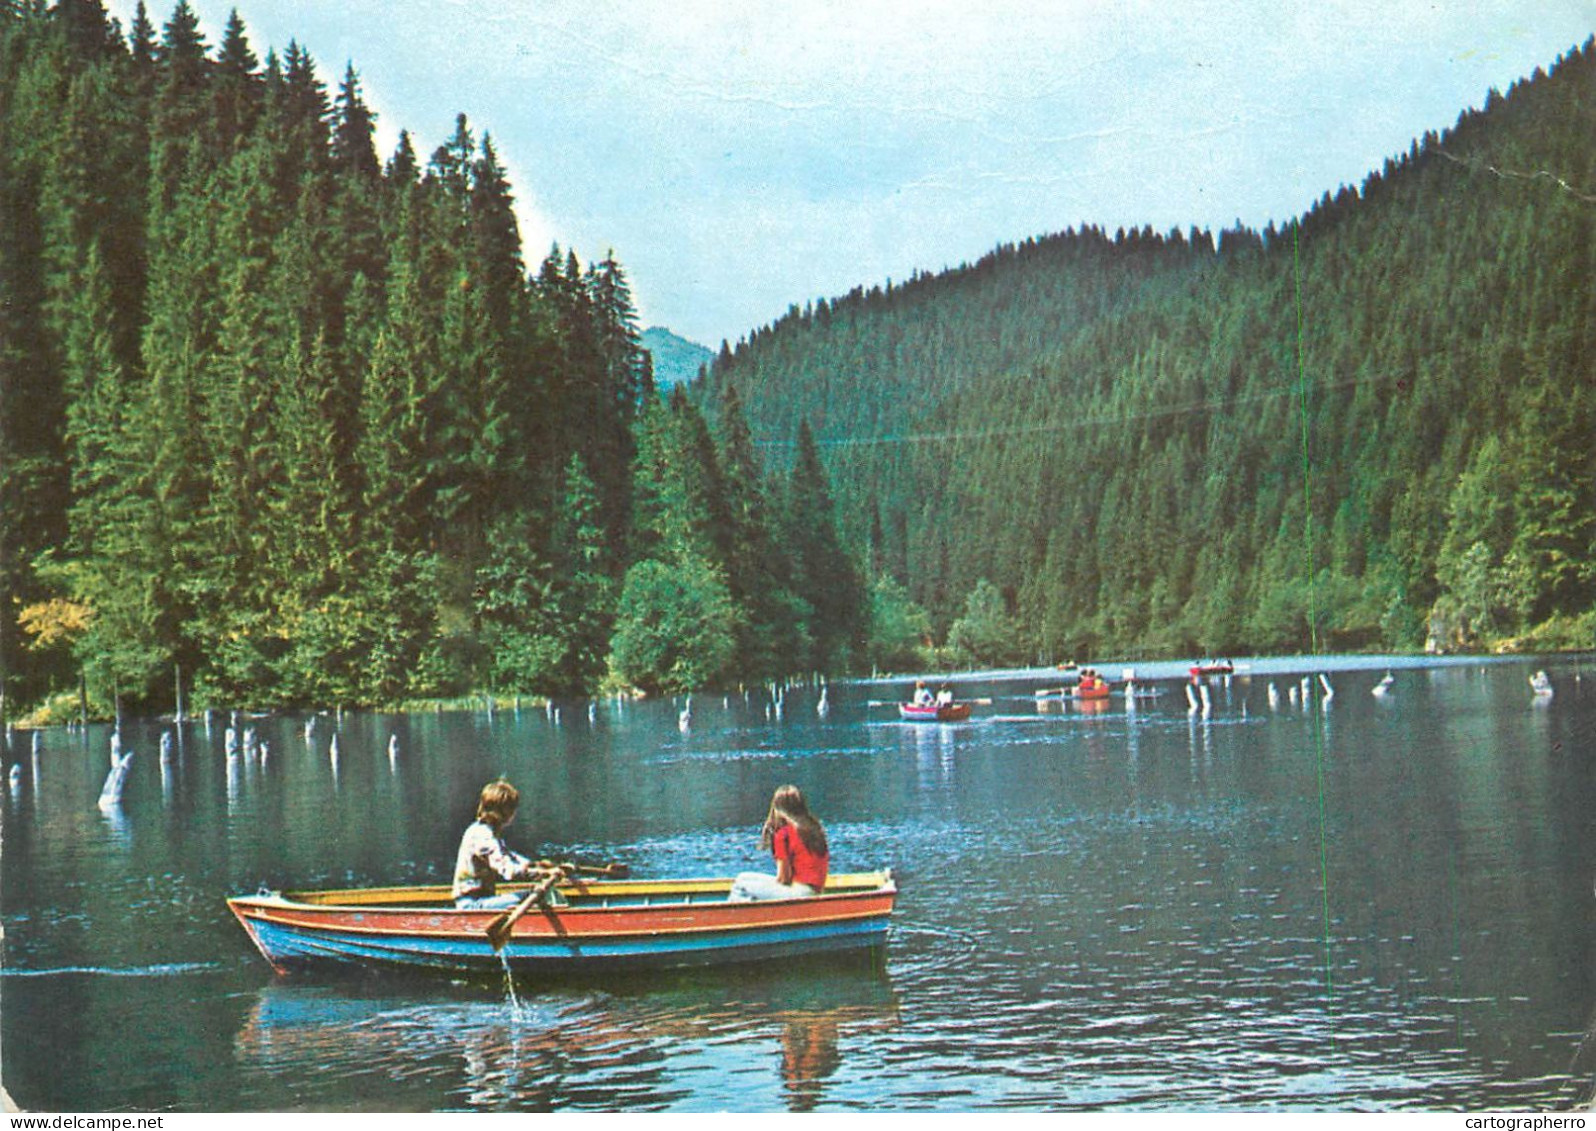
[1313,610]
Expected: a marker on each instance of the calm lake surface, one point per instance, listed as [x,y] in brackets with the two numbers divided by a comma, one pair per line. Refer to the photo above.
[1370,903]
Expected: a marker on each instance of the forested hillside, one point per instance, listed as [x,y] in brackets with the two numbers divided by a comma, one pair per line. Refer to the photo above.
[281,422]
[1372,427]
[285,422]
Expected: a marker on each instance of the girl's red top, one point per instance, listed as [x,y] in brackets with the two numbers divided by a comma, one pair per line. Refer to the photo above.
[807,867]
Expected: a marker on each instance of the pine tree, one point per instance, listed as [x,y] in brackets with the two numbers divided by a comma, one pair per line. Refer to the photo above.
[758,575]
[354,153]
[398,407]
[141,45]
[87,30]
[450,167]
[34,59]
[823,576]
[403,169]
[677,623]
[588,593]
[236,85]
[271,406]
[496,242]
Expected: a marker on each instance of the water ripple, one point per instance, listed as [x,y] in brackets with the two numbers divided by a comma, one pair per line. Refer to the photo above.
[159,970]
[947,945]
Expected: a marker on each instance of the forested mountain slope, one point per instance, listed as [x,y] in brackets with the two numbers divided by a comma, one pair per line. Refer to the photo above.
[1372,427]
[281,423]
[676,360]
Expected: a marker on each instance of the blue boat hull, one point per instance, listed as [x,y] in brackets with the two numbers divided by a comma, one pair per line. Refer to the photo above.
[595,927]
[294,946]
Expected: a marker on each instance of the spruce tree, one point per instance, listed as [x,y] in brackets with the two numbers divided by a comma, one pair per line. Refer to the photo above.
[823,575]
[587,591]
[354,153]
[235,84]
[141,46]
[757,573]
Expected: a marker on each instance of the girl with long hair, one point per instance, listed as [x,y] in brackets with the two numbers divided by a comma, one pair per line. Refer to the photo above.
[798,841]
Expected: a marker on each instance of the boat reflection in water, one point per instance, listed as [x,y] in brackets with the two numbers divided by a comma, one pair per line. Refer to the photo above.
[773,1037]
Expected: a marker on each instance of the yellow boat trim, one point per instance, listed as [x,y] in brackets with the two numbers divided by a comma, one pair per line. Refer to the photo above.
[285,917]
[845,883]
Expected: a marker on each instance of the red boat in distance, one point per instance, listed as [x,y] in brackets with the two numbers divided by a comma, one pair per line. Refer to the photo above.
[934,713]
[1212,667]
[1091,685]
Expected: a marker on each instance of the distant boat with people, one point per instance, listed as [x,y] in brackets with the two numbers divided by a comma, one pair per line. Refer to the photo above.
[1091,685]
[934,712]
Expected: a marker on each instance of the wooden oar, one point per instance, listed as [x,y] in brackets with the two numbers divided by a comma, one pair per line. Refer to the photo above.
[897,702]
[615,871]
[498,931]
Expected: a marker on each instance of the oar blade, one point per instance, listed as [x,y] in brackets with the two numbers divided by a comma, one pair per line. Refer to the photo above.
[498,931]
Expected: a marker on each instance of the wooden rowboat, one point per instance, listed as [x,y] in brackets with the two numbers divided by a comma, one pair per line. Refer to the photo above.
[592,925]
[932,713]
[1091,686]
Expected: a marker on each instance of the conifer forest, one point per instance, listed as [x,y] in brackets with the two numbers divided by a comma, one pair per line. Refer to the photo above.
[1372,428]
[286,421]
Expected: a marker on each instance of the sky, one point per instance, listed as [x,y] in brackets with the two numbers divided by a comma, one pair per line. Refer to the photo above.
[743,156]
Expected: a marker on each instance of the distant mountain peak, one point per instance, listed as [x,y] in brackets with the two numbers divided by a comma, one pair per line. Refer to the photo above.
[675,358]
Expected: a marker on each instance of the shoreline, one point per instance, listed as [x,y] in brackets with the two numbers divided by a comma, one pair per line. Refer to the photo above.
[1142,670]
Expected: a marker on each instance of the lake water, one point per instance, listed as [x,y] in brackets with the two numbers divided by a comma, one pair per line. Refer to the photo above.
[1365,903]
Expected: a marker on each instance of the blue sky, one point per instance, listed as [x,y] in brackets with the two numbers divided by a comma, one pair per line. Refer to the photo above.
[743,156]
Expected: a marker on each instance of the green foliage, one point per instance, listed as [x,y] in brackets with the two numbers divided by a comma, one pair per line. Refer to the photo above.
[1268,441]
[986,635]
[588,591]
[304,426]
[519,616]
[759,574]
[676,627]
[545,624]
[308,429]
[900,630]
[824,576]
[1560,634]
[325,657]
